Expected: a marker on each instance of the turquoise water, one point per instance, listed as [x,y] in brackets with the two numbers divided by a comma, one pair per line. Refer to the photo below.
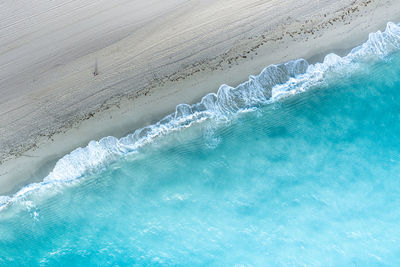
[298,166]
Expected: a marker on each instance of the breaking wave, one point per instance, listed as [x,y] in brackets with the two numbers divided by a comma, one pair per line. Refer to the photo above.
[272,84]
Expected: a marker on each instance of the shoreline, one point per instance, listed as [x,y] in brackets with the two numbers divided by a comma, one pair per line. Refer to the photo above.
[123,114]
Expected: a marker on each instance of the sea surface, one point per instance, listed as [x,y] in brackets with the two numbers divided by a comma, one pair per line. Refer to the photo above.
[299,166]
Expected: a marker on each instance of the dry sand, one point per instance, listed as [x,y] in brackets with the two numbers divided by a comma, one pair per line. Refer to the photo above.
[152,55]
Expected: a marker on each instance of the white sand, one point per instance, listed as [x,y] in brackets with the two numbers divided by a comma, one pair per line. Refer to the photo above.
[152,55]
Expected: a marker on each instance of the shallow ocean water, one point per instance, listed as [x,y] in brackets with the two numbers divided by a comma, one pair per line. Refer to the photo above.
[310,179]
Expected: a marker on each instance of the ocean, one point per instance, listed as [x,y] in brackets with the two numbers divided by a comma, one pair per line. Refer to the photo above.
[299,166]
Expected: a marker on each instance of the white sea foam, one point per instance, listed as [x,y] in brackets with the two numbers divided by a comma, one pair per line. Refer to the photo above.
[273,83]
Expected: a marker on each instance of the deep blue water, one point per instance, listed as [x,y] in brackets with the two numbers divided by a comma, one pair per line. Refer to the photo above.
[306,172]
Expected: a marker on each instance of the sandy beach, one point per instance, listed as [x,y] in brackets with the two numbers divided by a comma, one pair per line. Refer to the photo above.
[151,56]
